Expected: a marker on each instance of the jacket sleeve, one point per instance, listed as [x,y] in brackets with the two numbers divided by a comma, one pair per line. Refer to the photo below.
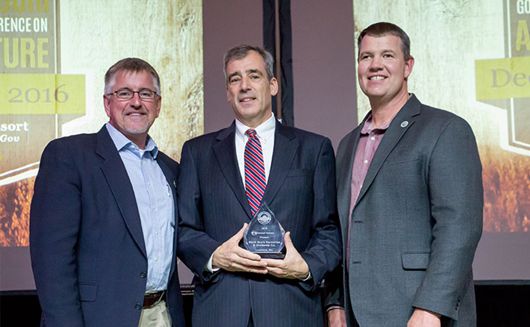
[333,289]
[54,225]
[456,200]
[194,244]
[323,253]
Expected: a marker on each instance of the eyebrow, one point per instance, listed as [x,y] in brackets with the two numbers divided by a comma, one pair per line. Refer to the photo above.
[247,72]
[233,74]
[254,71]
[371,52]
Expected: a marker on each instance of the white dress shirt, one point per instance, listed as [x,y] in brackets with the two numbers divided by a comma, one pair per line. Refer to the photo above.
[155,203]
[265,132]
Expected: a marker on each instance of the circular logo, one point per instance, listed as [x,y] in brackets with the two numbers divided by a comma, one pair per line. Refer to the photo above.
[264,218]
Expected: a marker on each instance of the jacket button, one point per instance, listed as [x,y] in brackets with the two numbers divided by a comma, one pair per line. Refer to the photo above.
[143,275]
[137,306]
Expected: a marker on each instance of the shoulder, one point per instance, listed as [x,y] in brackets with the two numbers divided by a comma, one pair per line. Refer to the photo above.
[442,119]
[303,135]
[78,142]
[209,138]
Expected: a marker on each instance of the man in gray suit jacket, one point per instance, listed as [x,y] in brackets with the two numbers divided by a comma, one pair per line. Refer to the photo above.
[410,201]
[233,286]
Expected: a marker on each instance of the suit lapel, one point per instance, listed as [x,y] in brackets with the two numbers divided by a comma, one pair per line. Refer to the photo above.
[344,173]
[171,180]
[399,126]
[225,152]
[285,147]
[120,185]
[170,176]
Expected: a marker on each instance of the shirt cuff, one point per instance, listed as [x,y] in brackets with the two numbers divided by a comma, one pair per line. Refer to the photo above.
[209,266]
[308,277]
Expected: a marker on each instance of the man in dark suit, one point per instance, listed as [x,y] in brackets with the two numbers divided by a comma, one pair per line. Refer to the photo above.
[410,201]
[233,286]
[102,228]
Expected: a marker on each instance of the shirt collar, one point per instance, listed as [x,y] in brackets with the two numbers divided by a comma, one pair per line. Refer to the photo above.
[369,127]
[264,129]
[123,143]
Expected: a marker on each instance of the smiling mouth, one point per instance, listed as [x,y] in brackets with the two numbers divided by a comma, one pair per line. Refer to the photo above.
[376,78]
[246,99]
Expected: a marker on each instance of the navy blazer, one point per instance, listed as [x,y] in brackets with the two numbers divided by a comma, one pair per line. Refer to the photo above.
[417,221]
[213,207]
[87,247]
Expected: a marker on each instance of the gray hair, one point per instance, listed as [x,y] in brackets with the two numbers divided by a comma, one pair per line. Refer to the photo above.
[241,51]
[133,65]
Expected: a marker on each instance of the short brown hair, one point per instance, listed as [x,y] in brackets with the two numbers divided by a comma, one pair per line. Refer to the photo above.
[384,28]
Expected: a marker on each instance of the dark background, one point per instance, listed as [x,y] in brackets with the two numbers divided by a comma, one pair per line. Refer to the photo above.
[498,305]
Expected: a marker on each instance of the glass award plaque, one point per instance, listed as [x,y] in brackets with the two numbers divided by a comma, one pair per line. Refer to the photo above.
[264,234]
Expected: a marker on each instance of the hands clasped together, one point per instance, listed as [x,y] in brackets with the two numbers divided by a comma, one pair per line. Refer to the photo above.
[231,257]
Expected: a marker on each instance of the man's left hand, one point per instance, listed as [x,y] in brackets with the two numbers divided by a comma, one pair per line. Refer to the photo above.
[424,318]
[293,266]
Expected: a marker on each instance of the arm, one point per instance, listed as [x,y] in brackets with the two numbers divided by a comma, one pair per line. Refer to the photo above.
[334,298]
[456,197]
[322,253]
[54,226]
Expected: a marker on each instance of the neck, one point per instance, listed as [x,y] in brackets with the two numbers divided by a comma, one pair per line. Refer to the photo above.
[255,122]
[140,141]
[384,111]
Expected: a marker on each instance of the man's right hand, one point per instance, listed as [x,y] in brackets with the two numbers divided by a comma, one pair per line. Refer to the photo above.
[230,256]
[336,317]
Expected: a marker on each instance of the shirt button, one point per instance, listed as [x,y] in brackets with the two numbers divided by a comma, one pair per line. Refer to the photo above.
[365,161]
[372,138]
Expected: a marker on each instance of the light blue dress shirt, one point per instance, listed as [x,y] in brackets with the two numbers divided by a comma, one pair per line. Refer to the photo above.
[154,199]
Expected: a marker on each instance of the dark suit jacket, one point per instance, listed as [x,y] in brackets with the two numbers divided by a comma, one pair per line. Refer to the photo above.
[301,193]
[417,221]
[87,247]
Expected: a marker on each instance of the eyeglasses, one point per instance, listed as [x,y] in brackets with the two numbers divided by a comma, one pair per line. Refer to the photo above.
[128,94]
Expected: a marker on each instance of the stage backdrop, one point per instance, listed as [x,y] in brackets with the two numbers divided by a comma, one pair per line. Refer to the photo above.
[470,59]
[52,62]
[473,58]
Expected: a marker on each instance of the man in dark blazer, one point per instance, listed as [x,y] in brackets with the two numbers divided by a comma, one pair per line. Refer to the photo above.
[410,201]
[102,228]
[233,286]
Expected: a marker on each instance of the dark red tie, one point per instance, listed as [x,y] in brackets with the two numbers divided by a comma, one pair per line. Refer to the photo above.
[255,181]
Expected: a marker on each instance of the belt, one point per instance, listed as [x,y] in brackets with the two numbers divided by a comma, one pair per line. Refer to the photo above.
[150,299]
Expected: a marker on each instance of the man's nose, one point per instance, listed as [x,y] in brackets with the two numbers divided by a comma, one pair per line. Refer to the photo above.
[136,101]
[244,85]
[376,63]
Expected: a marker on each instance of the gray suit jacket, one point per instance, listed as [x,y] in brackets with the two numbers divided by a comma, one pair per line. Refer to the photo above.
[213,207]
[417,220]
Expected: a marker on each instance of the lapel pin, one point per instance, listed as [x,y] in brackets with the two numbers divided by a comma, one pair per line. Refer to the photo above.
[404,123]
[174,183]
